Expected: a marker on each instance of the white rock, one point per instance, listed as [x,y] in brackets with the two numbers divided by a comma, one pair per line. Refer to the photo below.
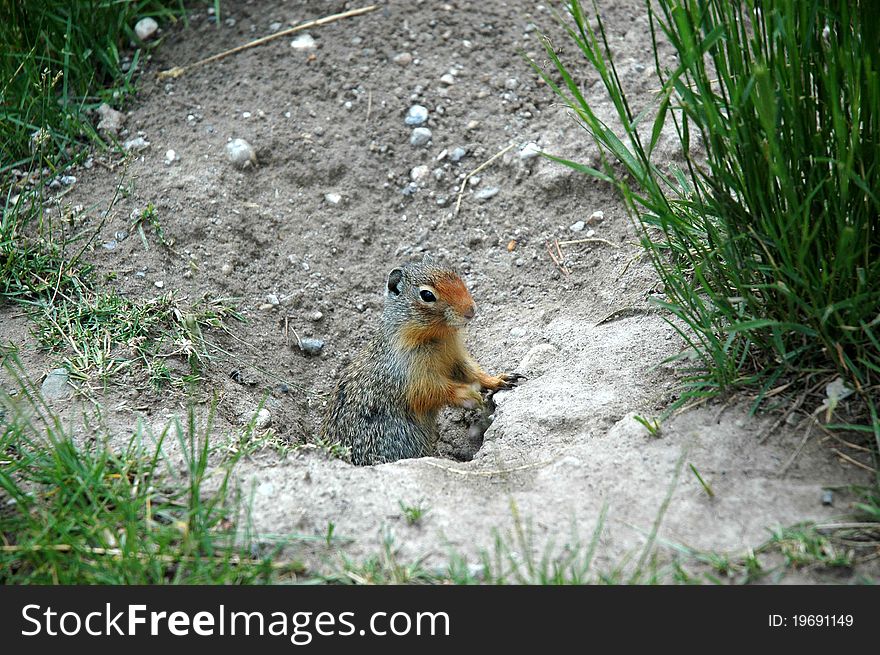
[316,316]
[488,192]
[529,151]
[137,144]
[170,156]
[145,28]
[264,418]
[419,174]
[333,198]
[111,120]
[402,59]
[597,216]
[267,488]
[577,227]
[447,79]
[303,42]
[241,153]
[159,284]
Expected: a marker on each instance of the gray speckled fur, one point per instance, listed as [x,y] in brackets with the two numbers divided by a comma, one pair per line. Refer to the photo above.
[368,412]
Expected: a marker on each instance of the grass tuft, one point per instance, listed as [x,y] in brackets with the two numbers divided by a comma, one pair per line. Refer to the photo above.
[767,240]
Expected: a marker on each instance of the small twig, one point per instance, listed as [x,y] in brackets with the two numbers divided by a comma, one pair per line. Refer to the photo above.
[556,260]
[474,172]
[177,71]
[369,104]
[624,312]
[788,412]
[592,240]
[852,461]
[794,455]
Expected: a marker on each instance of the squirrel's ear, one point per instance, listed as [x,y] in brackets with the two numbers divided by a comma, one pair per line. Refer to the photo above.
[395,277]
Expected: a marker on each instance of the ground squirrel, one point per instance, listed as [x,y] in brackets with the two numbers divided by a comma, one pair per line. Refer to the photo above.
[385,405]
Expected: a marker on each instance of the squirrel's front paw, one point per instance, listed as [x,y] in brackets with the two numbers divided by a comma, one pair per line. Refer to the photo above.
[510,380]
[468,396]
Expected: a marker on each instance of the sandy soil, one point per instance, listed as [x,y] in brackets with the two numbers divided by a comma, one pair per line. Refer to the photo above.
[330,120]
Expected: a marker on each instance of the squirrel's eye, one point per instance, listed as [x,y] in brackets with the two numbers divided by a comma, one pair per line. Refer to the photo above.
[427,296]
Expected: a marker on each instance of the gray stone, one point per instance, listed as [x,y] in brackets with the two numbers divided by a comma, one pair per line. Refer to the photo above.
[241,153]
[488,192]
[577,227]
[416,115]
[55,386]
[457,154]
[402,59]
[311,346]
[419,174]
[420,136]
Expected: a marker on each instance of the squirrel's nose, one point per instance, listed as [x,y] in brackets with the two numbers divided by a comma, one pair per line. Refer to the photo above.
[470,311]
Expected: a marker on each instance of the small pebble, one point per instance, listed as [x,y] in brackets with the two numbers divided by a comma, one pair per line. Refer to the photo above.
[264,418]
[303,42]
[137,144]
[416,115]
[111,120]
[457,154]
[420,136]
[226,269]
[311,346]
[447,79]
[419,174]
[145,28]
[488,192]
[159,284]
[828,497]
[517,332]
[402,59]
[170,156]
[577,227]
[272,299]
[333,198]
[316,316]
[55,385]
[529,151]
[511,83]
[241,153]
[109,245]
[597,216]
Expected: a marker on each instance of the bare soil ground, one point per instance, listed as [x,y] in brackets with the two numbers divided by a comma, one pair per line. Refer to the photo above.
[330,120]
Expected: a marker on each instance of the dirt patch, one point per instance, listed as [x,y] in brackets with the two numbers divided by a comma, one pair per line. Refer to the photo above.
[305,238]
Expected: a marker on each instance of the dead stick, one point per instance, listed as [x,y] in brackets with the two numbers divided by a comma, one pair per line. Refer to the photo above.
[852,461]
[597,240]
[177,71]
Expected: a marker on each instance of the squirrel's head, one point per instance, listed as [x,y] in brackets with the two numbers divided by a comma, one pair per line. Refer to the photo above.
[429,294]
